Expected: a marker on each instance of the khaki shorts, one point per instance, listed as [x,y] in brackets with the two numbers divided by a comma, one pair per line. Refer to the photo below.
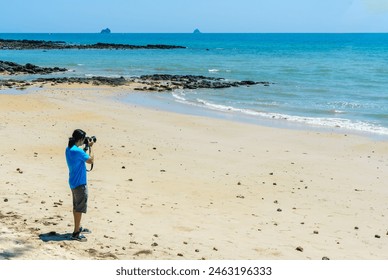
[80,198]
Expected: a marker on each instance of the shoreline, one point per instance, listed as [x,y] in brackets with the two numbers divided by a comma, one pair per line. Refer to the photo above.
[173,186]
[162,102]
[153,91]
[158,98]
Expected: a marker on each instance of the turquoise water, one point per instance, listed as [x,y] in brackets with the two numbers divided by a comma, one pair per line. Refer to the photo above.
[335,81]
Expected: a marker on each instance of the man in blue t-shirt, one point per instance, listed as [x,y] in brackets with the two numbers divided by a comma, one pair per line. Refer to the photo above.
[76,159]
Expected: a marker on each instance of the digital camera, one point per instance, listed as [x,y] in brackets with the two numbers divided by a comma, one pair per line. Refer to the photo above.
[88,140]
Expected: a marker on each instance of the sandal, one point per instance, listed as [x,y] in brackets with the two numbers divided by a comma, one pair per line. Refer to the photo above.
[84,230]
[78,237]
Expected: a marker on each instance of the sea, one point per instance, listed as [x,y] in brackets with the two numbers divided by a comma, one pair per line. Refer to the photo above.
[334,82]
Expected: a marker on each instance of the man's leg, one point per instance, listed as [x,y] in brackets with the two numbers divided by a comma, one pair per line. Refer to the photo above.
[77,220]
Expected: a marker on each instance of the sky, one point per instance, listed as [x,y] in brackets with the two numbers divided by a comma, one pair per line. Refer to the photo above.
[183,16]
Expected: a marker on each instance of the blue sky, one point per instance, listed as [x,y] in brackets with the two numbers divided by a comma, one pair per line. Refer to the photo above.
[181,16]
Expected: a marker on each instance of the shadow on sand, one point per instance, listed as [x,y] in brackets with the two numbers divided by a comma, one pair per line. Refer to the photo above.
[54,236]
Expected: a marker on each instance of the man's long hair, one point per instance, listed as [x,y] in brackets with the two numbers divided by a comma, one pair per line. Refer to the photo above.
[78,134]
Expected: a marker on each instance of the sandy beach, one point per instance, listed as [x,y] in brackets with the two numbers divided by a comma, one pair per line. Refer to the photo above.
[171,186]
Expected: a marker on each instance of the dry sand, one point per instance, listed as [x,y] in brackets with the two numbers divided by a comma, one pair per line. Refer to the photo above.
[170,186]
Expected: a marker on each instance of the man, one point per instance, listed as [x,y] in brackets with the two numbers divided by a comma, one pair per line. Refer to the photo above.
[76,159]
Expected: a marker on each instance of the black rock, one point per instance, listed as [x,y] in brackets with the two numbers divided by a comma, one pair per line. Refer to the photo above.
[52,45]
[11,68]
[156,82]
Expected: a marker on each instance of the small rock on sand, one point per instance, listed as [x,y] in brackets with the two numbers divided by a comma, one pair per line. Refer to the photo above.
[143,252]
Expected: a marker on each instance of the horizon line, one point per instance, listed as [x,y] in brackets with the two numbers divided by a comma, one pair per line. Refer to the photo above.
[285,32]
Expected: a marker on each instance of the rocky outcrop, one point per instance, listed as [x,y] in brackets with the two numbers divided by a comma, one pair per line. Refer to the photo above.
[11,68]
[97,81]
[153,83]
[163,82]
[51,45]
[30,44]
[15,84]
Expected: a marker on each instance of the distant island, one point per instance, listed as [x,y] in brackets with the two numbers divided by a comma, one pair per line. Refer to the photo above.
[105,31]
[196,31]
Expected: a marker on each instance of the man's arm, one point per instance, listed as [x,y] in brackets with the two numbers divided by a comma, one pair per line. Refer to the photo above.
[91,155]
[91,159]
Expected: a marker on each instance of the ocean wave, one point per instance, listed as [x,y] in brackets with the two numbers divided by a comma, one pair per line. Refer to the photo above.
[179,97]
[336,112]
[345,104]
[96,75]
[218,70]
[324,122]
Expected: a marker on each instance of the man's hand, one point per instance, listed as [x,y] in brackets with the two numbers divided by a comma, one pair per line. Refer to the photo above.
[91,159]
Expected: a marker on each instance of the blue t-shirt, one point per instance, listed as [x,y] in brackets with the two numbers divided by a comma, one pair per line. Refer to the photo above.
[76,158]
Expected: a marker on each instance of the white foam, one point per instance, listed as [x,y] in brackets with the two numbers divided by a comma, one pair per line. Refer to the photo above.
[108,76]
[339,123]
[337,112]
[178,97]
[213,70]
[345,104]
